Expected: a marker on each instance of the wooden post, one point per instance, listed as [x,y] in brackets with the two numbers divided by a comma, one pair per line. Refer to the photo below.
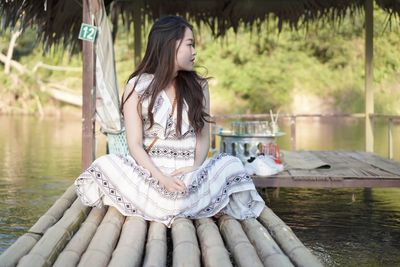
[88,94]
[293,133]
[137,24]
[369,94]
[213,133]
[390,138]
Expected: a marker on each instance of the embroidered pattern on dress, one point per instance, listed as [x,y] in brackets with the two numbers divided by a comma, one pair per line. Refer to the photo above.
[117,197]
[216,204]
[170,127]
[202,175]
[153,182]
[189,133]
[174,136]
[113,193]
[158,103]
[171,152]
[156,130]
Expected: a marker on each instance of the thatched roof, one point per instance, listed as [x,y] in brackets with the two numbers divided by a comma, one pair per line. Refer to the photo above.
[58,21]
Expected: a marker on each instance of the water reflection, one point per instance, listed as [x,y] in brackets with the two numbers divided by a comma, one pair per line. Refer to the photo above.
[343,227]
[39,160]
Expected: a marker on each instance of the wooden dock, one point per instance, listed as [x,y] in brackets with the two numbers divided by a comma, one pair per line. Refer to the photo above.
[70,234]
[347,169]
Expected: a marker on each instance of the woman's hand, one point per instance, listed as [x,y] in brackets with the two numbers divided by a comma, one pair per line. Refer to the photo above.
[173,184]
[184,170]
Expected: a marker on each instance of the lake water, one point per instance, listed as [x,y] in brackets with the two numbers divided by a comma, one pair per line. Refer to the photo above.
[343,227]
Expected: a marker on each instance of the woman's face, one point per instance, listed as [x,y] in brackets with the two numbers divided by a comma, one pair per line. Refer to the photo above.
[185,54]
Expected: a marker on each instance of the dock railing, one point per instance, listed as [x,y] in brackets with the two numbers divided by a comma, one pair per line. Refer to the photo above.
[390,121]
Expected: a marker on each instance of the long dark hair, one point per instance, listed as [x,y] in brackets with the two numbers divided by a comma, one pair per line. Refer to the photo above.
[159,60]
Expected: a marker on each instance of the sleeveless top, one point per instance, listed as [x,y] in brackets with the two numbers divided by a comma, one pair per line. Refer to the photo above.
[170,151]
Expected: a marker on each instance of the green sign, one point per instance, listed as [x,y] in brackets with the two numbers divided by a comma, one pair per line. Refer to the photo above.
[87,32]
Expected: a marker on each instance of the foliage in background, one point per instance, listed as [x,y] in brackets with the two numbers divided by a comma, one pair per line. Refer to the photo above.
[26,92]
[316,70]
[325,64]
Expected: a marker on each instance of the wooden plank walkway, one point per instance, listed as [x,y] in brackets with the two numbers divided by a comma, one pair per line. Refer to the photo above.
[70,234]
[348,169]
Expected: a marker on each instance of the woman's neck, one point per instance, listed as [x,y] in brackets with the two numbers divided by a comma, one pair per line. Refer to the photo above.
[170,91]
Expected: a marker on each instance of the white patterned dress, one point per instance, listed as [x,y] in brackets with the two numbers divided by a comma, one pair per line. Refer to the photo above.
[220,184]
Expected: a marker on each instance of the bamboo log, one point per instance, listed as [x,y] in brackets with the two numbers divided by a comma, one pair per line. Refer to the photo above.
[267,249]
[18,249]
[27,241]
[129,250]
[71,254]
[156,246]
[212,246]
[287,240]
[55,212]
[46,251]
[186,250]
[239,245]
[104,241]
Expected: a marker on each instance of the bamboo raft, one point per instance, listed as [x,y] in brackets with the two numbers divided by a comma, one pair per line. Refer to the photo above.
[347,169]
[71,234]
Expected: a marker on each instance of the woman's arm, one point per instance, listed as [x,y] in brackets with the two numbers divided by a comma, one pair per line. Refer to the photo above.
[134,136]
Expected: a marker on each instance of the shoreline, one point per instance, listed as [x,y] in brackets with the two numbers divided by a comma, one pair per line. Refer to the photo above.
[49,111]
